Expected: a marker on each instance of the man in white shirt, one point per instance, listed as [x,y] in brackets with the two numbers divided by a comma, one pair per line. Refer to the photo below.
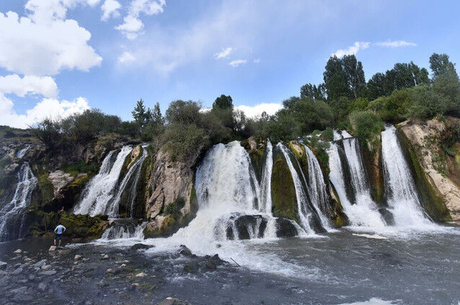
[58,234]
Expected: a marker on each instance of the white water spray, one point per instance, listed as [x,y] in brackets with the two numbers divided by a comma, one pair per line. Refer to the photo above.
[301,197]
[101,189]
[21,198]
[402,197]
[364,212]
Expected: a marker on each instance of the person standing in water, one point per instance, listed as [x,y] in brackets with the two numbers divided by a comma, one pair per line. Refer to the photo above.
[58,234]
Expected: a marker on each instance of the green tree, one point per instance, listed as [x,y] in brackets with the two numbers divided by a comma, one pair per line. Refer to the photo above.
[223,102]
[313,91]
[446,82]
[355,76]
[335,79]
[141,114]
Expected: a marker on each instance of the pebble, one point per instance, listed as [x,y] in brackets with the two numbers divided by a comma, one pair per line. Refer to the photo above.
[52,249]
[142,274]
[77,257]
[17,271]
[18,251]
[42,287]
[49,272]
[45,267]
[105,256]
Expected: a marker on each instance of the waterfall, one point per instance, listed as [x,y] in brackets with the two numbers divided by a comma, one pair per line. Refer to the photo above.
[101,189]
[304,213]
[266,185]
[317,187]
[21,199]
[227,191]
[135,173]
[363,212]
[124,230]
[23,152]
[401,194]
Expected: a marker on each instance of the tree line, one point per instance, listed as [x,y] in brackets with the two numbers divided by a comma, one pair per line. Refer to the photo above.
[344,101]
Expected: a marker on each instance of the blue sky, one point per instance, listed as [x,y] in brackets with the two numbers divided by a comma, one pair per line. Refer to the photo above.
[59,57]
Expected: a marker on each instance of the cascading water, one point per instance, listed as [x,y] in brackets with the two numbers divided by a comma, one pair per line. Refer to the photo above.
[304,212]
[317,187]
[133,172]
[21,199]
[101,190]
[23,152]
[124,231]
[226,196]
[401,194]
[364,210]
[266,186]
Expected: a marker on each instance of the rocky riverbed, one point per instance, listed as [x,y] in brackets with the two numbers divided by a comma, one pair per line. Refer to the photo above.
[32,272]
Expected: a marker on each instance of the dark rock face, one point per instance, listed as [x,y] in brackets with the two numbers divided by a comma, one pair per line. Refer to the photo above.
[285,228]
[249,226]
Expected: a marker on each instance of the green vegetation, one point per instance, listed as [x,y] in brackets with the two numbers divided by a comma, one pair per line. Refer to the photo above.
[283,190]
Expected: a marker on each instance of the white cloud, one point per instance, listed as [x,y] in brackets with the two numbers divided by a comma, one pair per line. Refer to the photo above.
[237,62]
[352,50]
[257,110]
[148,7]
[131,26]
[47,108]
[131,23]
[224,53]
[44,48]
[126,57]
[48,10]
[110,9]
[395,44]
[14,84]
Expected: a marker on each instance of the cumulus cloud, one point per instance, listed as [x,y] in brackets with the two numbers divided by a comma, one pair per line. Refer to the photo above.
[48,10]
[132,24]
[352,50]
[237,62]
[47,108]
[395,44]
[257,110]
[14,84]
[126,57]
[110,9]
[44,48]
[131,27]
[224,53]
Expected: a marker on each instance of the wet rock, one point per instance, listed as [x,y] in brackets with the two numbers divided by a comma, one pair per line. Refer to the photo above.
[104,256]
[171,301]
[213,262]
[17,271]
[42,287]
[141,247]
[190,268]
[18,251]
[102,283]
[185,251]
[77,257]
[3,265]
[247,224]
[39,264]
[285,228]
[45,267]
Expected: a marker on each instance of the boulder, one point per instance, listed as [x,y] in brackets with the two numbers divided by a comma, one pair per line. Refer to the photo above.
[285,228]
[3,265]
[141,247]
[59,179]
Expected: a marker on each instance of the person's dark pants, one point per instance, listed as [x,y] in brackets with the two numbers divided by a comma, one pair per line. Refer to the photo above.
[56,236]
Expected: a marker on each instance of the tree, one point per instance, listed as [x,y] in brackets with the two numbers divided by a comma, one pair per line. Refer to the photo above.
[223,102]
[141,115]
[48,132]
[183,112]
[335,79]
[312,91]
[446,82]
[355,76]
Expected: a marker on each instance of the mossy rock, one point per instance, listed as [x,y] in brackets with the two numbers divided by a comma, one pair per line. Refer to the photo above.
[257,154]
[84,226]
[45,186]
[434,204]
[283,190]
[374,168]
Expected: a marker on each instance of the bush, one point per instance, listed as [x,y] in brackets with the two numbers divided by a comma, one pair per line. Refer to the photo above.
[366,125]
[174,208]
[425,103]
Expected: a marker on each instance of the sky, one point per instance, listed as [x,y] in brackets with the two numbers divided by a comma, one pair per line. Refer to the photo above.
[60,57]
